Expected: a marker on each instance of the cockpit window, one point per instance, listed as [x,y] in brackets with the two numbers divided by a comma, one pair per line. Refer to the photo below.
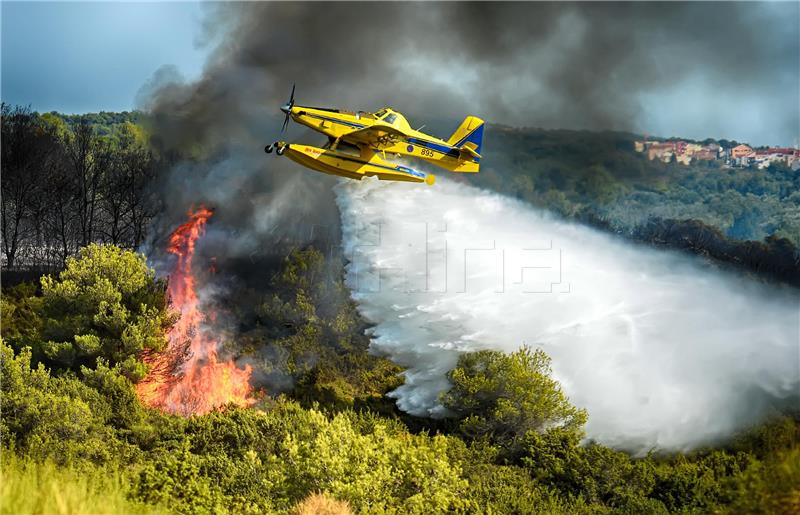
[390,118]
[380,113]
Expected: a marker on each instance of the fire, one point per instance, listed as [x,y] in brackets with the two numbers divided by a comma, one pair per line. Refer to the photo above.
[188,377]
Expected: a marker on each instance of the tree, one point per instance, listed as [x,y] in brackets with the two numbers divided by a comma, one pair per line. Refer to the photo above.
[87,156]
[61,197]
[25,151]
[503,396]
[107,304]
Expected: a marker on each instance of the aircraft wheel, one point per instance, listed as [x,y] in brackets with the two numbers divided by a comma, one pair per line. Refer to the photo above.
[281,150]
[268,149]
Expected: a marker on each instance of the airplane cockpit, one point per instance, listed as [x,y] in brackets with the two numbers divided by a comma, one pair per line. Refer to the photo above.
[389,117]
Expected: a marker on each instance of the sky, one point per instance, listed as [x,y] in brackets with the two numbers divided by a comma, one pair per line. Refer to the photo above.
[87,57]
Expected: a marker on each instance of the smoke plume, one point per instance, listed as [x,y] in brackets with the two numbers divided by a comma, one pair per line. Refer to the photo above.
[663,351]
[554,65]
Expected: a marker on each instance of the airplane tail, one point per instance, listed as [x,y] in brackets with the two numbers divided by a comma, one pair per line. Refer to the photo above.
[468,138]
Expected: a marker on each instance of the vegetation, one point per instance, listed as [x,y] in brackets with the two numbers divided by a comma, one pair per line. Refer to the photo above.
[596,177]
[506,397]
[514,445]
[107,305]
[306,335]
[72,180]
[28,487]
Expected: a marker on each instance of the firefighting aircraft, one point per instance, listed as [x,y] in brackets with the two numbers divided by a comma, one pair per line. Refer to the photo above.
[360,144]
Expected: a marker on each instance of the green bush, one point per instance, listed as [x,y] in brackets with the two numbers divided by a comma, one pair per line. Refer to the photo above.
[56,418]
[504,396]
[106,304]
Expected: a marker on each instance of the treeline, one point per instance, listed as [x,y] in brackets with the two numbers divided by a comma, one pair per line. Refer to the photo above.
[68,181]
[70,414]
[774,257]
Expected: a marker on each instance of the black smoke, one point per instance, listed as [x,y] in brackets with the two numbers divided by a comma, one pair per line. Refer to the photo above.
[553,65]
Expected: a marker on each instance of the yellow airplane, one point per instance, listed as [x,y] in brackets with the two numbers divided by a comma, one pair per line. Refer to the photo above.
[362,144]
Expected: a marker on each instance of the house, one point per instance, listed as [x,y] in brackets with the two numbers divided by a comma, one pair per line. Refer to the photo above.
[741,151]
[777,155]
[691,148]
[705,154]
[716,148]
[781,151]
[663,151]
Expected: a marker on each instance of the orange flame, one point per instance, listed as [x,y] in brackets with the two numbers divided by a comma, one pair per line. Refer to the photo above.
[188,378]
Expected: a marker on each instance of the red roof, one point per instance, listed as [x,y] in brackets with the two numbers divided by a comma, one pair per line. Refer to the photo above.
[781,150]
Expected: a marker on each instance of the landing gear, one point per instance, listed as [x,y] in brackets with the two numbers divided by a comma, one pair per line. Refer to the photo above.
[279,147]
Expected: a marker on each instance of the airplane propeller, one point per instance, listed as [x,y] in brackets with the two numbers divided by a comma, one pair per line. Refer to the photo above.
[287,108]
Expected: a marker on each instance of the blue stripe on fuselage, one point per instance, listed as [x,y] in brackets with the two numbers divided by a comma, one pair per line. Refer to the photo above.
[429,145]
[448,151]
[443,149]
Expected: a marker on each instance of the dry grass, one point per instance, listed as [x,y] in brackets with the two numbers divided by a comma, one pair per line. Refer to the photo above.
[321,504]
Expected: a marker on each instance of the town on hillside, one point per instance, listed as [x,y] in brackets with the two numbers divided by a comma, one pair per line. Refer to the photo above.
[739,156]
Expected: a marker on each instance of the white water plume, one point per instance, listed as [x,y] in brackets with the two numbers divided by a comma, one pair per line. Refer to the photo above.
[663,350]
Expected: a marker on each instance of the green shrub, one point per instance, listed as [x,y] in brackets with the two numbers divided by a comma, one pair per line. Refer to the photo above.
[107,304]
[504,396]
[373,472]
[59,418]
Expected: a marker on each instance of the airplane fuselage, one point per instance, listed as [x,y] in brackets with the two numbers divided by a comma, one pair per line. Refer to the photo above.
[338,124]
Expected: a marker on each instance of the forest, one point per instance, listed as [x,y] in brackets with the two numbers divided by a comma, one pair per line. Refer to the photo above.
[82,309]
[72,180]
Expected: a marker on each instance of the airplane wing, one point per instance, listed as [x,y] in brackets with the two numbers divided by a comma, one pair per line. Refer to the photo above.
[376,136]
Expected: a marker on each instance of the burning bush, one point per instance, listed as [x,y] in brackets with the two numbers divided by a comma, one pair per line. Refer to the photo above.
[189,377]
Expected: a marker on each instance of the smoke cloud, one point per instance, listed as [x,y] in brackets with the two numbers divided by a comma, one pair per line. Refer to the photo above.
[663,351]
[696,69]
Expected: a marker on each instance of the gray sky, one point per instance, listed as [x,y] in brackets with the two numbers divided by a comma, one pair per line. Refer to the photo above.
[717,70]
[82,57]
